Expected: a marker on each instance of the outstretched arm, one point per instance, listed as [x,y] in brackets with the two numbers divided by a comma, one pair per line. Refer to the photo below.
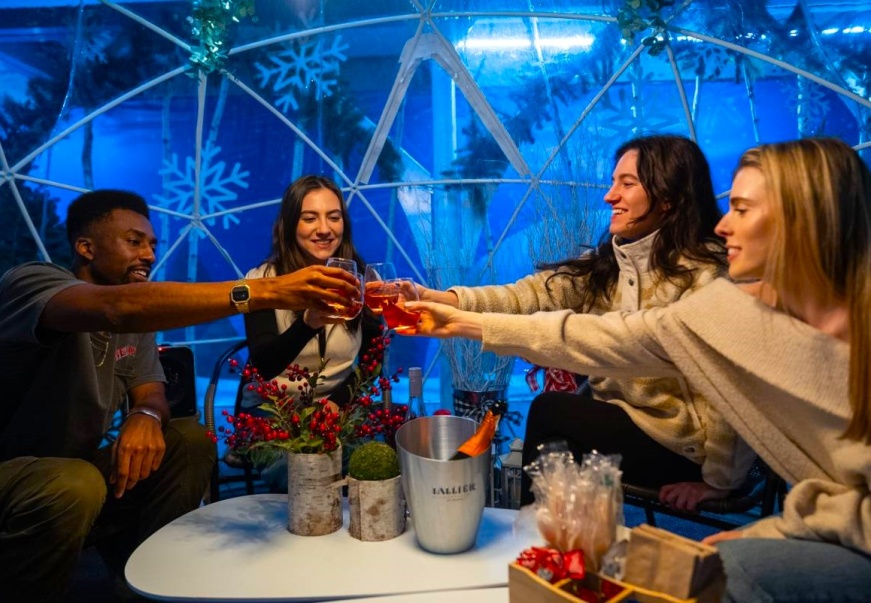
[145,307]
[440,297]
[443,321]
[612,345]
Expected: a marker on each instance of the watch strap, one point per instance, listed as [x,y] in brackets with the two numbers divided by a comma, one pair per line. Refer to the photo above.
[241,306]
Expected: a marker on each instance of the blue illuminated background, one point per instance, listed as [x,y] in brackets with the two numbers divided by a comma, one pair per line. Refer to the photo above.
[472,138]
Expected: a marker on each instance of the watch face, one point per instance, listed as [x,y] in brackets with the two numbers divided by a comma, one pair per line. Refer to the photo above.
[240,293]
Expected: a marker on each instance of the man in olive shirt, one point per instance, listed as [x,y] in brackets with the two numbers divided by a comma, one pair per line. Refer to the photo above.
[73,346]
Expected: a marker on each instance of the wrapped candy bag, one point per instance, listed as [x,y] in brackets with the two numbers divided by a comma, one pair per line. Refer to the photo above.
[577,506]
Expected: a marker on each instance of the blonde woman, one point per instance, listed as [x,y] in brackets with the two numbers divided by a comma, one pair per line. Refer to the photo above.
[784,357]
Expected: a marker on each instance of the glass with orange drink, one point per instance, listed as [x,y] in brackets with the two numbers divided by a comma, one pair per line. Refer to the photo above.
[395,314]
[352,306]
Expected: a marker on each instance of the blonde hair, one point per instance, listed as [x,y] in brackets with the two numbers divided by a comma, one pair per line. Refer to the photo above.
[821,195]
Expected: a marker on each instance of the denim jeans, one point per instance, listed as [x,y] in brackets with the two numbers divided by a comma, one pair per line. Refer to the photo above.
[771,570]
[50,506]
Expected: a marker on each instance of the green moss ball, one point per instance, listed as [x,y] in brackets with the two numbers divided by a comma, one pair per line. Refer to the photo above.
[373,461]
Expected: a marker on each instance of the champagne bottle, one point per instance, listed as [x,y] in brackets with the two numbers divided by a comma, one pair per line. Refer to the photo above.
[416,406]
[481,440]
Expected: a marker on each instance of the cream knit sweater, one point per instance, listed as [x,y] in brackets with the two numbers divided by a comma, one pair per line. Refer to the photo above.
[661,406]
[781,383]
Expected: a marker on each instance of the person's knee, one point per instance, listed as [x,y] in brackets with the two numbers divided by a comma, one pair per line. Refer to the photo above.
[542,408]
[762,570]
[62,496]
[80,487]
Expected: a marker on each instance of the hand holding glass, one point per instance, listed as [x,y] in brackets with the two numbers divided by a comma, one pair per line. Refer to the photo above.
[353,306]
[398,318]
[378,292]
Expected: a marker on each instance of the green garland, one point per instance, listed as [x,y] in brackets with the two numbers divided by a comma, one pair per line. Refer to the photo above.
[636,16]
[210,21]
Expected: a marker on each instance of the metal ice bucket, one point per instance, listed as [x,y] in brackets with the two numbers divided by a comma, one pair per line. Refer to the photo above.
[445,498]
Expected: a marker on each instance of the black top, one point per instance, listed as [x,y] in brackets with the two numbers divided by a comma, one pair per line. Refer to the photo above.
[271,352]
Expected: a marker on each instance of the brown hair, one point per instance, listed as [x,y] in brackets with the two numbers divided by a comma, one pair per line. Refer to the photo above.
[286,255]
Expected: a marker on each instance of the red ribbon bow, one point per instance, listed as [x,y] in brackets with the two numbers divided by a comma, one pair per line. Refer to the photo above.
[551,565]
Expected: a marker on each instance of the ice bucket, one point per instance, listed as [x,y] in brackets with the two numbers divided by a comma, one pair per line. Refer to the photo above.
[445,498]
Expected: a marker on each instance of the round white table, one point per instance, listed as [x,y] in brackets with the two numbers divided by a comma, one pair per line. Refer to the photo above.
[477,595]
[240,550]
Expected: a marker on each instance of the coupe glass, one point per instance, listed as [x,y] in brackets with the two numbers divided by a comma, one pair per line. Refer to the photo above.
[379,291]
[397,317]
[352,308]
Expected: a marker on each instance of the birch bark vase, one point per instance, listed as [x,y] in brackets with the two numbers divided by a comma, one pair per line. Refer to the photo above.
[377,508]
[314,493]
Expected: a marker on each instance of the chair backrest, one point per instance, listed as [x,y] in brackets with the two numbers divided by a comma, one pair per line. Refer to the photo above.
[181,379]
[212,389]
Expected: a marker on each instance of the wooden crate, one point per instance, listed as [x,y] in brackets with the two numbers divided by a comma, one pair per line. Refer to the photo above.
[526,587]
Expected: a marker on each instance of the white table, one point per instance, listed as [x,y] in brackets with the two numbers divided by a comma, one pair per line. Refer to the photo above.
[240,550]
[478,595]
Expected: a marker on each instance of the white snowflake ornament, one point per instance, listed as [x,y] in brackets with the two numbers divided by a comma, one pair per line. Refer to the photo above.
[299,65]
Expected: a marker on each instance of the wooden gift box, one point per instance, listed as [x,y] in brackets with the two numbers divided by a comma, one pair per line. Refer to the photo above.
[526,587]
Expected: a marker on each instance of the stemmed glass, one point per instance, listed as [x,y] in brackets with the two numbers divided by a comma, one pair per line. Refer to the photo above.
[354,305]
[379,293]
[396,315]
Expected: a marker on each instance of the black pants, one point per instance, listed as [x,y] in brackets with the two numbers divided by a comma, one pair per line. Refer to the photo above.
[586,425]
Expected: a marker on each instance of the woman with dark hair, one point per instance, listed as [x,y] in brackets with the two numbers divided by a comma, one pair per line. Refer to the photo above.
[659,248]
[312,226]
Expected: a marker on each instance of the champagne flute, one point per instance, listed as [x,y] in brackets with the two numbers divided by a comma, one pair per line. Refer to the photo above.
[379,293]
[397,317]
[354,305]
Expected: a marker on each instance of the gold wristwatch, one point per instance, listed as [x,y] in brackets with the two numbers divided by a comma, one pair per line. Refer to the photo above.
[240,294]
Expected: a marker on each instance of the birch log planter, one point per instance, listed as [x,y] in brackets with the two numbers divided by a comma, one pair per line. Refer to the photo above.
[314,492]
[377,508]
[375,493]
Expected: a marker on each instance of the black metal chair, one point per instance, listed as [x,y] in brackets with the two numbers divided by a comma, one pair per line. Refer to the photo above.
[763,489]
[242,470]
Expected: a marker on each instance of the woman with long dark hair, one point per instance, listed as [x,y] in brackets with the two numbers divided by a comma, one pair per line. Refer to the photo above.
[312,226]
[659,248]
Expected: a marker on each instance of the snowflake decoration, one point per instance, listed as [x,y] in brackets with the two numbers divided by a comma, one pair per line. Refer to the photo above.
[215,185]
[647,112]
[94,45]
[299,65]
[811,111]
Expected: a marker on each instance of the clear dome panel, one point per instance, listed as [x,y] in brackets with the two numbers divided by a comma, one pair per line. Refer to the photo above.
[802,37]
[383,229]
[310,83]
[562,7]
[844,40]
[173,18]
[36,50]
[483,149]
[352,11]
[115,55]
[38,231]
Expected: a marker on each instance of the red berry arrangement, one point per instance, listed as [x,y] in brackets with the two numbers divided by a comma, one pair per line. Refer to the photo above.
[292,419]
